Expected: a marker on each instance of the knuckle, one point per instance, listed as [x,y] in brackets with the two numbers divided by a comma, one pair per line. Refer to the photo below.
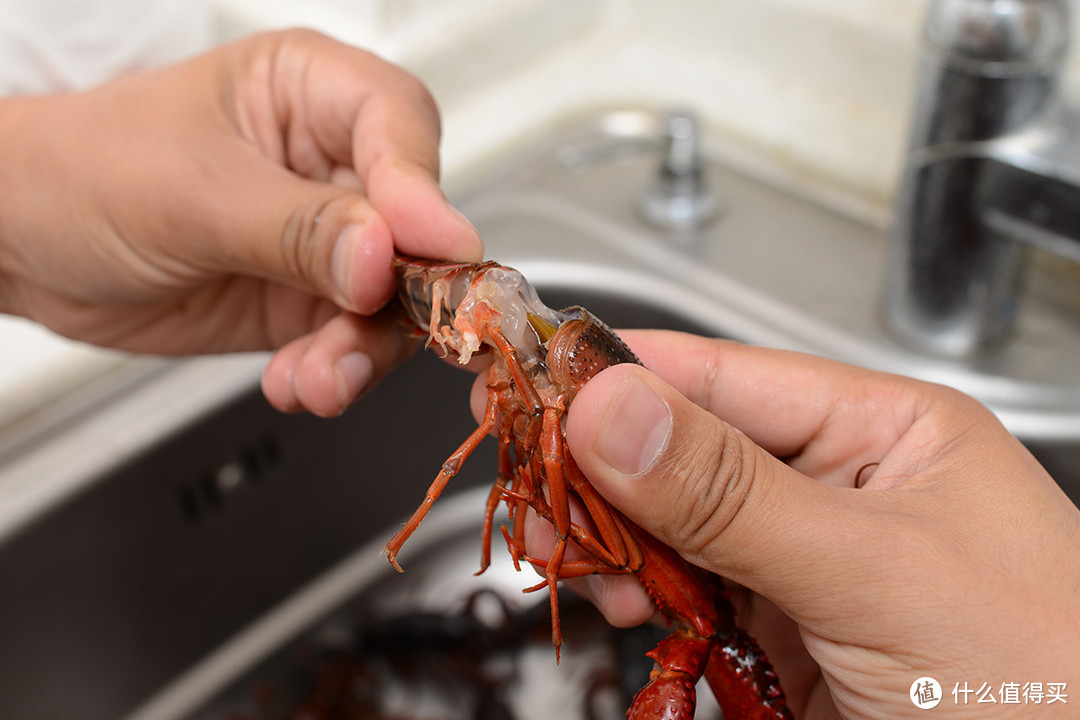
[418,92]
[719,472]
[301,254]
[302,38]
[298,35]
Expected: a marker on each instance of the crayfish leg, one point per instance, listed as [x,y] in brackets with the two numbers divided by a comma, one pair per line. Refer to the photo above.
[620,549]
[554,453]
[449,469]
[570,569]
[493,500]
[552,581]
[499,489]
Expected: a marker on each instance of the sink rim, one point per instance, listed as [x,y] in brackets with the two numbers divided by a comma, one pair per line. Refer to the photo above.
[1035,398]
[719,319]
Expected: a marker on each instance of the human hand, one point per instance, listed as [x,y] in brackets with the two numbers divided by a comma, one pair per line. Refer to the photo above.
[905,534]
[249,198]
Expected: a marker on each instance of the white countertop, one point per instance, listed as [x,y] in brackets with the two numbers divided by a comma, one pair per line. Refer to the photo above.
[819,85]
[37,367]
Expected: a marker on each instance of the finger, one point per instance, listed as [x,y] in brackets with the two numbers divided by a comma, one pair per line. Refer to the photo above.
[323,108]
[278,378]
[326,371]
[227,204]
[421,220]
[260,219]
[703,487]
[620,598]
[382,121]
[795,406]
[395,142]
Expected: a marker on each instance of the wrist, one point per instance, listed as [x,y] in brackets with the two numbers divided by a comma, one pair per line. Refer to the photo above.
[10,132]
[30,208]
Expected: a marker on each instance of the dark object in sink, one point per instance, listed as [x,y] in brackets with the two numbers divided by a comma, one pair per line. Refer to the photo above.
[464,664]
[216,525]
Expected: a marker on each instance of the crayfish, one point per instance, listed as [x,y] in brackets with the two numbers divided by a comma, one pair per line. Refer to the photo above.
[540,359]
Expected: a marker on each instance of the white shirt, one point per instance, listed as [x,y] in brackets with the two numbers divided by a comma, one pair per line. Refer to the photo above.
[63,45]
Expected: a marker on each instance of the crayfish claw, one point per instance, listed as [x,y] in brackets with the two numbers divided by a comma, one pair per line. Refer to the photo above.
[670,693]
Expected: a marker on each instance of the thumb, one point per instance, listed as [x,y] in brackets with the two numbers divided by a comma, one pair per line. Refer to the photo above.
[701,486]
[326,238]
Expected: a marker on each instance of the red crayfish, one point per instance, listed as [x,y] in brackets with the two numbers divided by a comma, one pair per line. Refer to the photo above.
[541,358]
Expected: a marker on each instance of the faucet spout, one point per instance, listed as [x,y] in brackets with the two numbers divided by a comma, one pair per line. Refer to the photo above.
[991,171]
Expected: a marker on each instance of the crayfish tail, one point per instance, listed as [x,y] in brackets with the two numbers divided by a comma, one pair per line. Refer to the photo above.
[743,680]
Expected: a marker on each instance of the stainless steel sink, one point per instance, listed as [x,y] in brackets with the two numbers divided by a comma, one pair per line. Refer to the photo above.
[142,592]
[195,532]
[783,265]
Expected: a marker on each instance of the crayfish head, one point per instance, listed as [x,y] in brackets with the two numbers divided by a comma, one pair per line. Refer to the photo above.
[544,329]
[582,346]
[465,306]
[431,291]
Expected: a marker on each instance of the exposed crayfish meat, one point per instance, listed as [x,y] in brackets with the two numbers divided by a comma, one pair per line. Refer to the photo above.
[540,359]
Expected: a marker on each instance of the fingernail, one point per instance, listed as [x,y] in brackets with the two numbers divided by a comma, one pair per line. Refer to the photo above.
[636,428]
[472,247]
[354,372]
[341,262]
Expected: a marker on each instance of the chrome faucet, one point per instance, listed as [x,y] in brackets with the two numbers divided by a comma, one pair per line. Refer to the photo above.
[679,197]
[993,170]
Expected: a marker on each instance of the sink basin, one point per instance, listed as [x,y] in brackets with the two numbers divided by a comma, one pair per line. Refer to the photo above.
[153,565]
[171,565]
[778,267]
